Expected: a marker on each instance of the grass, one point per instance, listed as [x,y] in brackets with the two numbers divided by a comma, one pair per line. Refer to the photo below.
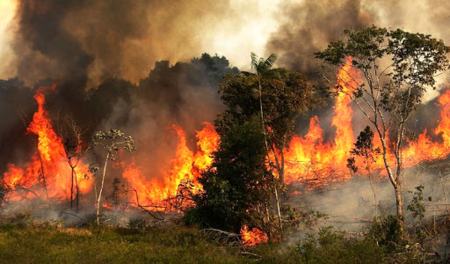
[47,244]
[175,244]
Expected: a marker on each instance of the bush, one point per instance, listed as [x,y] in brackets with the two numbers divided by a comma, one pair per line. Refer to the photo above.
[386,232]
[330,246]
[238,184]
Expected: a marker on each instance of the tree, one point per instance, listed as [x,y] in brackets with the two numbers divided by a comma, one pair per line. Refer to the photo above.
[275,97]
[112,141]
[73,145]
[397,68]
[282,94]
[237,186]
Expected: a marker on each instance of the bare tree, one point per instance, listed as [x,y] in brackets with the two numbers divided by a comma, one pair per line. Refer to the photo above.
[112,141]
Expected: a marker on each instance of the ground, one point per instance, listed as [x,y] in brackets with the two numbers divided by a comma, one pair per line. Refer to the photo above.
[49,244]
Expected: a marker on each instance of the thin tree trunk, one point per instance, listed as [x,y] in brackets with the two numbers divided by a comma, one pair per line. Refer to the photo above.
[99,198]
[263,126]
[277,198]
[372,187]
[77,193]
[400,212]
[396,183]
[71,188]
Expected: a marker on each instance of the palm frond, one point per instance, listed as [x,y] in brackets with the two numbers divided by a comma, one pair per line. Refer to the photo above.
[261,65]
[270,61]
[254,61]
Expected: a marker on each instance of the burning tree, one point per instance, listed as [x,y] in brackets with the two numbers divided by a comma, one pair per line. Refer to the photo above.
[72,134]
[112,141]
[396,69]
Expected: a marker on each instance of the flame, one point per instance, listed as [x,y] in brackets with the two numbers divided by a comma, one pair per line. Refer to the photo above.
[443,128]
[48,173]
[308,158]
[316,163]
[253,237]
[186,167]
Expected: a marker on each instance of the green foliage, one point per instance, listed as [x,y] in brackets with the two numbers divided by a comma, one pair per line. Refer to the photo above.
[364,149]
[285,95]
[113,140]
[261,65]
[416,206]
[330,246]
[414,60]
[237,184]
[386,232]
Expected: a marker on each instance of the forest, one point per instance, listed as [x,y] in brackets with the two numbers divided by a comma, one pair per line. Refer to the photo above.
[330,145]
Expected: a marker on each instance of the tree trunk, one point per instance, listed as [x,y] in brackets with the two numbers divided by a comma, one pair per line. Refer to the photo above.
[396,183]
[99,198]
[263,126]
[77,193]
[71,187]
[400,212]
[277,198]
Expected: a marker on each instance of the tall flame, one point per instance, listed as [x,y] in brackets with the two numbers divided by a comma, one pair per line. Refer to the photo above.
[186,166]
[309,159]
[312,161]
[48,173]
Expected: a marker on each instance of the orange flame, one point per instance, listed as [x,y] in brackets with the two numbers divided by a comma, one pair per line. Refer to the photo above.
[309,160]
[48,173]
[253,237]
[185,167]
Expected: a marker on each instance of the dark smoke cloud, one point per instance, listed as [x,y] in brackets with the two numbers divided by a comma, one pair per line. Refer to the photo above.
[97,40]
[45,48]
[308,26]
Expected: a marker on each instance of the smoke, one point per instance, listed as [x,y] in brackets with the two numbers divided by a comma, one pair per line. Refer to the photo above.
[96,40]
[308,26]
[353,204]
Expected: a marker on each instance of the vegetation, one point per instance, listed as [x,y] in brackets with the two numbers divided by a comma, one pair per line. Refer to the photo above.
[396,69]
[174,244]
[112,142]
[242,186]
[245,184]
[237,189]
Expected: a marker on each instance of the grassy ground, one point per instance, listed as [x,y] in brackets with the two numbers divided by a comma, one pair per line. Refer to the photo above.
[176,244]
[58,245]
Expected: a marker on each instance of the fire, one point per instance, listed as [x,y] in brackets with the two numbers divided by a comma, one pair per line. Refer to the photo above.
[186,167]
[312,161]
[253,237]
[443,128]
[48,173]
[309,159]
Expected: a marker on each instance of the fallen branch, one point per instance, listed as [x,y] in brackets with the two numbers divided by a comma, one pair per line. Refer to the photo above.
[222,237]
[144,207]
